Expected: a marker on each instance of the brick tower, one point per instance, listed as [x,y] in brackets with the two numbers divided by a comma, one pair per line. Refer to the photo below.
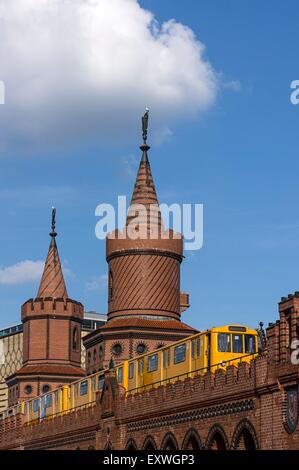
[51,334]
[144,298]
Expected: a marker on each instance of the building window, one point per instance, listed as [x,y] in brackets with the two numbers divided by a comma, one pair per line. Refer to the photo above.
[223,342]
[179,353]
[117,349]
[89,357]
[152,364]
[46,388]
[110,285]
[28,389]
[75,339]
[101,352]
[94,355]
[141,348]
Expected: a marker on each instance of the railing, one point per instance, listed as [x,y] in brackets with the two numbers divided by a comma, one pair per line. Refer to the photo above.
[185,375]
[61,413]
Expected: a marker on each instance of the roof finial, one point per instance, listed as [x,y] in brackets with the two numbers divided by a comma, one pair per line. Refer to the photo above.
[53,234]
[145,125]
[144,147]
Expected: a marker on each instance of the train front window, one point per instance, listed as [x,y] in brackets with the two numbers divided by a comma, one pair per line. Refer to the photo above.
[223,342]
[152,364]
[179,353]
[237,344]
[83,387]
[131,370]
[250,345]
[120,375]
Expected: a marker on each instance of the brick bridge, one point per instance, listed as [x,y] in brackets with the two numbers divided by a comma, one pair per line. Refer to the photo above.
[242,408]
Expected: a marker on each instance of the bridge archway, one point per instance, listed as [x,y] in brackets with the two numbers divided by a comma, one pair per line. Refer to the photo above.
[131,445]
[169,442]
[244,437]
[191,440]
[217,439]
[149,444]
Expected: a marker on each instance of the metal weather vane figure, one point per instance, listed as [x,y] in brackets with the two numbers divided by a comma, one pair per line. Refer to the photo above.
[145,125]
[53,233]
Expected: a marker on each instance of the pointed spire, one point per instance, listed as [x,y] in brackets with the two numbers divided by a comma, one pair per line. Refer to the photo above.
[144,190]
[52,282]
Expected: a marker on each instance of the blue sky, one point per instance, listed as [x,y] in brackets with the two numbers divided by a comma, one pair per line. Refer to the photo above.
[238,157]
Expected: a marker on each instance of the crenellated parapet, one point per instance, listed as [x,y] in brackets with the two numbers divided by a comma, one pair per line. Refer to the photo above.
[52,306]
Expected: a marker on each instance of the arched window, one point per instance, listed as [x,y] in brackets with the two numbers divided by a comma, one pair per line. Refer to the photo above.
[75,339]
[110,285]
[46,388]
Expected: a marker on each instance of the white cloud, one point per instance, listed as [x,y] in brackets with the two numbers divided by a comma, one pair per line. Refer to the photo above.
[97,283]
[28,271]
[22,272]
[234,85]
[81,68]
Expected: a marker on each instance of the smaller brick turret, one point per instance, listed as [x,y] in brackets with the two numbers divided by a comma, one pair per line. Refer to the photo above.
[51,334]
[282,333]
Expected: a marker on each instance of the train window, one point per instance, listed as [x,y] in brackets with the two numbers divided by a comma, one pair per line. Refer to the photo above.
[179,353]
[198,347]
[36,405]
[237,344]
[193,347]
[223,342]
[94,383]
[152,364]
[101,382]
[25,408]
[120,371]
[131,370]
[141,366]
[250,346]
[48,400]
[84,387]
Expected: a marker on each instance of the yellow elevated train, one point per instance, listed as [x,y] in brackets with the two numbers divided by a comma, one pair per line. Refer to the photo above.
[207,351]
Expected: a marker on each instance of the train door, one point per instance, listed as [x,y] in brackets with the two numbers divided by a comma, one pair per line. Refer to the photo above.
[166,364]
[237,346]
[208,351]
[140,372]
